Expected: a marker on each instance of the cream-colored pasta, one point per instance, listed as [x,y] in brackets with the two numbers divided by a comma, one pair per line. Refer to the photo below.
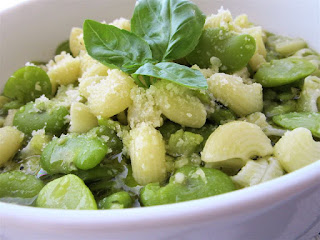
[260,120]
[309,95]
[230,90]
[10,142]
[76,42]
[236,139]
[66,95]
[82,120]
[273,170]
[242,21]
[86,62]
[85,82]
[63,70]
[222,19]
[143,108]
[9,119]
[179,104]
[122,23]
[111,95]
[251,174]
[297,149]
[259,56]
[147,153]
[258,171]
[96,70]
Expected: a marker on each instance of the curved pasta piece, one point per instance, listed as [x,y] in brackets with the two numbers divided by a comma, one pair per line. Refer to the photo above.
[81,119]
[310,95]
[85,82]
[236,139]
[259,57]
[297,149]
[147,153]
[251,174]
[143,108]
[122,23]
[260,120]
[179,104]
[111,95]
[76,42]
[230,90]
[222,19]
[63,70]
[258,171]
[10,142]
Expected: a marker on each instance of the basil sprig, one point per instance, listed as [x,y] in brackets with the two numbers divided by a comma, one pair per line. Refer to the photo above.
[162,31]
[171,27]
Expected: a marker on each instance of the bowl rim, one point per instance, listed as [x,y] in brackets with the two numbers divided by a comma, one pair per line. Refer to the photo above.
[247,200]
[244,201]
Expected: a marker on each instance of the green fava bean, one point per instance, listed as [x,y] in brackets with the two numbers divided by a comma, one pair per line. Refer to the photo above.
[72,152]
[188,183]
[63,47]
[309,120]
[117,200]
[27,84]
[18,187]
[234,51]
[67,192]
[283,71]
[51,119]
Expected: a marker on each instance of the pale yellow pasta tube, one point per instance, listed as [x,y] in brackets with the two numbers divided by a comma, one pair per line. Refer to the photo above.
[10,142]
[236,139]
[230,90]
[147,153]
[297,149]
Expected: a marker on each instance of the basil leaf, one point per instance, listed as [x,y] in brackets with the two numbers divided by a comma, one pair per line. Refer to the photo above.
[173,72]
[27,84]
[171,27]
[115,47]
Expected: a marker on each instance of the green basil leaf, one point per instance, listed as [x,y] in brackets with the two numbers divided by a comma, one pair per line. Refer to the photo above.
[171,27]
[173,72]
[115,47]
[27,84]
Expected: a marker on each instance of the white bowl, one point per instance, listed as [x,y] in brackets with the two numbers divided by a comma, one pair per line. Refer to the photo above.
[286,208]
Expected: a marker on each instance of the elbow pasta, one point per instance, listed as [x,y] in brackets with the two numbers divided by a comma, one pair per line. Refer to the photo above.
[297,149]
[241,98]
[147,153]
[236,139]
[308,101]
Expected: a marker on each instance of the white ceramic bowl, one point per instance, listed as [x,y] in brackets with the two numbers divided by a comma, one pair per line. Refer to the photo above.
[286,208]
